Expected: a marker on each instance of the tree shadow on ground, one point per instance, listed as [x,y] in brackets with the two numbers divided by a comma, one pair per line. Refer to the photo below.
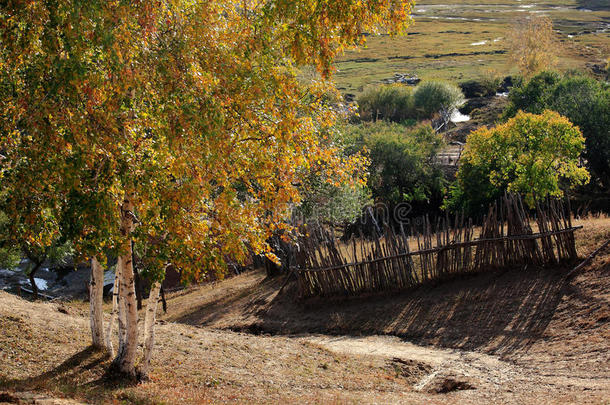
[251,300]
[83,371]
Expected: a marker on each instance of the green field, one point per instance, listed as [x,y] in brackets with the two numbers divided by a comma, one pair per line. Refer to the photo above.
[459,40]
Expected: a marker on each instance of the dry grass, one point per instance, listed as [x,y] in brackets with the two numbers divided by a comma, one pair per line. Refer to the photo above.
[45,350]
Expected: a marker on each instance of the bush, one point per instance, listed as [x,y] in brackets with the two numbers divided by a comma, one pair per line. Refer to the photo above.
[487,86]
[584,101]
[328,203]
[535,155]
[532,96]
[401,163]
[389,102]
[10,255]
[437,97]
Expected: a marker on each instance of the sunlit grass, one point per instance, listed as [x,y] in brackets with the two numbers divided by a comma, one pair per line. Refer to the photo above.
[442,48]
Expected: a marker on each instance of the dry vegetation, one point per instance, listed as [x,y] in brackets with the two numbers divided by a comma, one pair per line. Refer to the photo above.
[525,336]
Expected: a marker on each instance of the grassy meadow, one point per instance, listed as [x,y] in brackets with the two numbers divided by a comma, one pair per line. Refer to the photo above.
[459,40]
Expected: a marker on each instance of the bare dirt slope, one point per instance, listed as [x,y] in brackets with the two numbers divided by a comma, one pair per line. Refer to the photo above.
[556,332]
[45,351]
[521,336]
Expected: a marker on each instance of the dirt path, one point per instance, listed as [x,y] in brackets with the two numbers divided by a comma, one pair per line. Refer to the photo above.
[478,370]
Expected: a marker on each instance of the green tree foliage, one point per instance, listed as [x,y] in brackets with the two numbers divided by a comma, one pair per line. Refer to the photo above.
[533,95]
[437,98]
[584,101]
[10,254]
[326,202]
[401,162]
[388,102]
[535,155]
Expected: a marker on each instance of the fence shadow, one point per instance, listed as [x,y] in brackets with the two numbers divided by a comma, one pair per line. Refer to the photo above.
[498,311]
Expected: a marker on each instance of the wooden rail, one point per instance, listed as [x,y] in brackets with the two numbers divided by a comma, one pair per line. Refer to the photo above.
[453,245]
[328,267]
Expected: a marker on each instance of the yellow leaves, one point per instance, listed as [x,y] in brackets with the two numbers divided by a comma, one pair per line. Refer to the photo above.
[533,45]
[199,106]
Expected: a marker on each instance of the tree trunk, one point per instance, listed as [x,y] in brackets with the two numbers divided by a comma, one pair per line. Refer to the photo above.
[113,314]
[37,265]
[163,299]
[96,299]
[126,356]
[149,328]
[138,279]
[121,307]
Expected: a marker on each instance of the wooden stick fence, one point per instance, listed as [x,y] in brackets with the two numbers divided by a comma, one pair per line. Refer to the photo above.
[328,267]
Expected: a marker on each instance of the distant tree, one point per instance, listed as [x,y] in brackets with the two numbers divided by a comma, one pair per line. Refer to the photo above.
[535,155]
[36,235]
[328,202]
[401,165]
[531,95]
[533,45]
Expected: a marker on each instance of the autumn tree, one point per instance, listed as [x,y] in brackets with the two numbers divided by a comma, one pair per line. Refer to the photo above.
[533,45]
[535,155]
[179,125]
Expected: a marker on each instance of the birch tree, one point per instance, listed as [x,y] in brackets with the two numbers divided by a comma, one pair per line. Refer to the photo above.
[178,121]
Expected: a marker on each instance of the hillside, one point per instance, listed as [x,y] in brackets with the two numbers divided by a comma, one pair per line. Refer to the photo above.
[522,335]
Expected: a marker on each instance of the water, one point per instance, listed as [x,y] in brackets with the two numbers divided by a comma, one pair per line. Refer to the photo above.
[457,116]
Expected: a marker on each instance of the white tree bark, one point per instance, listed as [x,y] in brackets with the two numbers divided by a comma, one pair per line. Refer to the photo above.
[96,299]
[149,327]
[113,314]
[121,308]
[126,357]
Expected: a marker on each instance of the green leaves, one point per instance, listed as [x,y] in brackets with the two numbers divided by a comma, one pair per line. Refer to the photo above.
[534,155]
[584,101]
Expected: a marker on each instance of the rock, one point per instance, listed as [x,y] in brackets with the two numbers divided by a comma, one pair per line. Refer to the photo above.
[7,398]
[442,384]
[403,78]
[450,384]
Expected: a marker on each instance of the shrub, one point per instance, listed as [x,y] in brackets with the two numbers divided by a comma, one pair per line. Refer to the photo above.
[329,203]
[401,162]
[532,96]
[437,97]
[536,155]
[486,86]
[388,102]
